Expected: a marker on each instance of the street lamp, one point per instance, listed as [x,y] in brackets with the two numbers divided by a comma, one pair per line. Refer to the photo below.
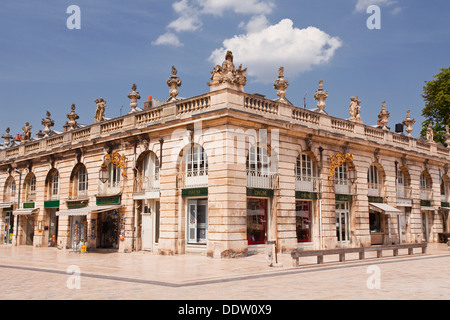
[103,173]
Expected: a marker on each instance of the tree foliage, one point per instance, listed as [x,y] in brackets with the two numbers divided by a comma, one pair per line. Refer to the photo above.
[436,94]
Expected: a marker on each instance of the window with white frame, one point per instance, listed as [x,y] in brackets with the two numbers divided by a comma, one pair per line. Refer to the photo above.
[54,186]
[341,180]
[82,181]
[31,188]
[304,167]
[258,159]
[196,161]
[423,181]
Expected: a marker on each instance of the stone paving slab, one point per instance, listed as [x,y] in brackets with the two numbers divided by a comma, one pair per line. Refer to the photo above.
[42,273]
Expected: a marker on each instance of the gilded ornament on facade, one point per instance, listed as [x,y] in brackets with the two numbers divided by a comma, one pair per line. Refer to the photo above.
[119,161]
[337,160]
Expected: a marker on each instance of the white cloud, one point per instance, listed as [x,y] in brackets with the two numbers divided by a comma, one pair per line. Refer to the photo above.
[188,19]
[169,39]
[256,23]
[361,5]
[190,12]
[217,7]
[264,51]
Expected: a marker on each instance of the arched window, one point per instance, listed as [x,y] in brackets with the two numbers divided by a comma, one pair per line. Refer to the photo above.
[374,181]
[30,187]
[426,192]
[341,179]
[52,185]
[196,166]
[305,179]
[10,190]
[79,182]
[148,173]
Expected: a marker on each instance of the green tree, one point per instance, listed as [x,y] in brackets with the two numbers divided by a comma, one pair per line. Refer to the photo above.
[436,94]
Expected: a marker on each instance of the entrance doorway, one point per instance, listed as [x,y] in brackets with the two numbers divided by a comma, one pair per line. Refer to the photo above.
[52,227]
[150,225]
[343,223]
[257,220]
[108,230]
[29,230]
[8,228]
[78,231]
[376,226]
[197,221]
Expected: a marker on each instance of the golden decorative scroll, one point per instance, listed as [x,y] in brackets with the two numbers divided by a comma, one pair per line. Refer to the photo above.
[119,161]
[338,160]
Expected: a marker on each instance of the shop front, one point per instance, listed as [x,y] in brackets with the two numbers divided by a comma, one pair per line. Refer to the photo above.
[93,227]
[196,200]
[258,215]
[51,222]
[304,215]
[380,223]
[8,222]
[25,224]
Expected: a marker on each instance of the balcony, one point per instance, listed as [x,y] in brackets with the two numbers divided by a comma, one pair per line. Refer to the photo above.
[146,187]
[109,188]
[426,194]
[306,183]
[261,180]
[404,192]
[192,179]
[343,187]
[375,190]
[146,184]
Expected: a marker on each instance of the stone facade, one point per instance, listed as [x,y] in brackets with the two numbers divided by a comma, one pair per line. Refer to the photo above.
[221,174]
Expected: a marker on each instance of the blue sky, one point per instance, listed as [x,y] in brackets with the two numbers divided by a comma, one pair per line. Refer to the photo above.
[46,66]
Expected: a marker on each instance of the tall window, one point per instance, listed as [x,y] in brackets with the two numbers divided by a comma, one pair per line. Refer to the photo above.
[31,187]
[258,160]
[10,190]
[341,180]
[372,177]
[196,161]
[423,181]
[54,189]
[82,180]
[114,176]
[304,168]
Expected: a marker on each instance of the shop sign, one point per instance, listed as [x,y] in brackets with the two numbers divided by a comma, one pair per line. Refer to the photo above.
[304,195]
[445,204]
[343,197]
[262,193]
[375,199]
[108,200]
[76,204]
[28,205]
[51,204]
[194,192]
[425,203]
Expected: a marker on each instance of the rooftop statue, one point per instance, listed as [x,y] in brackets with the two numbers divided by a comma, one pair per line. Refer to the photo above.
[355,109]
[100,112]
[26,132]
[227,74]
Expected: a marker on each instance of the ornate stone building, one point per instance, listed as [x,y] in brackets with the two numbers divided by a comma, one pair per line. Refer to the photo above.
[222,173]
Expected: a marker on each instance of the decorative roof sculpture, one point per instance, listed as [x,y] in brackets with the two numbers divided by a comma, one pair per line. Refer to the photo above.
[100,112]
[173,82]
[281,85]
[321,96]
[227,75]
[133,96]
[47,123]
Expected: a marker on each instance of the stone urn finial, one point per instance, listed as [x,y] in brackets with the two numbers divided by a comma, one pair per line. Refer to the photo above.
[173,82]
[383,116]
[73,117]
[133,96]
[7,137]
[281,85]
[321,96]
[408,122]
[47,123]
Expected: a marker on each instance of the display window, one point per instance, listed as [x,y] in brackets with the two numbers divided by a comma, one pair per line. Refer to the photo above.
[257,220]
[303,219]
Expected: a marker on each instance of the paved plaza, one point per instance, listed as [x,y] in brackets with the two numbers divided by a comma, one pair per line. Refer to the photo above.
[52,274]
